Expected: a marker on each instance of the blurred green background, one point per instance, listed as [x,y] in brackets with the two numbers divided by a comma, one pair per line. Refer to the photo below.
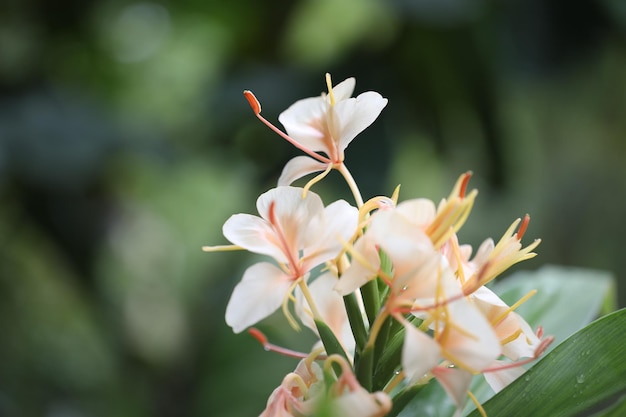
[125,143]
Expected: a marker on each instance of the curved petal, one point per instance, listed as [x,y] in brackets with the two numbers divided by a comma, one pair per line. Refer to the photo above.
[419,211]
[476,345]
[498,380]
[305,122]
[455,382]
[297,168]
[420,353]
[362,269]
[355,114]
[325,241]
[292,213]
[344,89]
[253,234]
[259,293]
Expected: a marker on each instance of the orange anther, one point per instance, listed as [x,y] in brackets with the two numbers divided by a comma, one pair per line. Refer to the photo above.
[465,181]
[258,335]
[252,100]
[523,227]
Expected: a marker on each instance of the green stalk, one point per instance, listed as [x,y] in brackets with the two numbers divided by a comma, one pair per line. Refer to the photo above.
[356,320]
[371,300]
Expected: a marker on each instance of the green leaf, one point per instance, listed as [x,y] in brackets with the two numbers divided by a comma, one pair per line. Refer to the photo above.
[584,371]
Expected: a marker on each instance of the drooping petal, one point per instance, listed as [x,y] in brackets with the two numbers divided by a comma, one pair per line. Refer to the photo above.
[420,353]
[299,167]
[498,380]
[355,114]
[330,306]
[455,382]
[254,234]
[259,293]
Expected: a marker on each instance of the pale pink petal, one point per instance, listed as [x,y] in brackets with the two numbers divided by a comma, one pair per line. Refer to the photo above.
[419,211]
[455,382]
[498,380]
[355,114]
[305,122]
[323,242]
[254,234]
[259,293]
[299,167]
[420,353]
[292,213]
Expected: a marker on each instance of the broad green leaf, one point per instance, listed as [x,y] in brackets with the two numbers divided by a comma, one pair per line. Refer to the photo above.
[567,299]
[584,371]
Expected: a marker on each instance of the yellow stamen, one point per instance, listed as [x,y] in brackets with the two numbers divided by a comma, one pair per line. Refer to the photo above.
[397,378]
[479,407]
[395,195]
[315,180]
[521,301]
[221,248]
[329,84]
[285,307]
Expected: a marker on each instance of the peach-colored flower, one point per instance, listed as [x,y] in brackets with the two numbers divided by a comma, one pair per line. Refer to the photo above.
[299,233]
[327,123]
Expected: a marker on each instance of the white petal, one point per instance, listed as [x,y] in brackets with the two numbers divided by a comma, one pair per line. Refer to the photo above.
[344,89]
[292,213]
[419,211]
[498,380]
[254,234]
[354,115]
[260,293]
[455,382]
[361,403]
[324,241]
[298,167]
[420,353]
[362,269]
[305,122]
[477,345]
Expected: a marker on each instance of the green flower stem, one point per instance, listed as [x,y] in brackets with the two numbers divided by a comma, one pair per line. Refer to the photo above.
[356,320]
[331,344]
[389,360]
[371,300]
[382,339]
[365,366]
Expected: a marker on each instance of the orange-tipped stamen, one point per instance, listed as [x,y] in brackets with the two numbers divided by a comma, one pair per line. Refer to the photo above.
[256,107]
[464,182]
[270,347]
[252,100]
[522,227]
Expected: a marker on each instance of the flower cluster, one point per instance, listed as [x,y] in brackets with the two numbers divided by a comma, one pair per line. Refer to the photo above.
[398,302]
